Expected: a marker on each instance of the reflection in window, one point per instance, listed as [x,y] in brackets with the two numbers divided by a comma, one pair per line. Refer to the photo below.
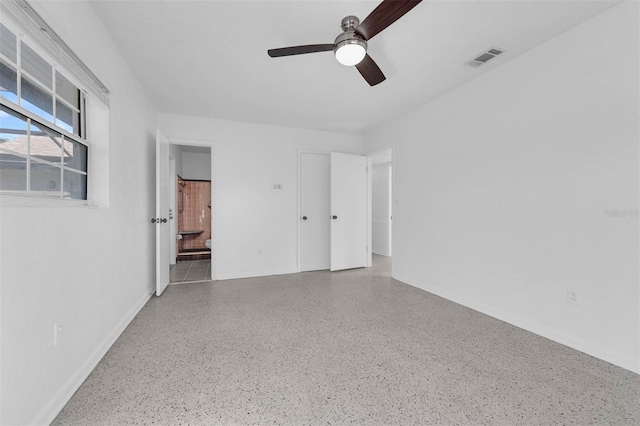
[8,82]
[75,155]
[36,100]
[67,91]
[66,118]
[13,172]
[45,145]
[45,179]
[37,67]
[35,85]
[8,44]
[13,132]
[74,185]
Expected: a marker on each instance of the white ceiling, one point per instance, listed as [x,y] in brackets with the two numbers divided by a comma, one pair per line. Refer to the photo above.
[209,58]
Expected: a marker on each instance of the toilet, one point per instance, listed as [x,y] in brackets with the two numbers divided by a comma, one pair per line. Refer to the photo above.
[207,243]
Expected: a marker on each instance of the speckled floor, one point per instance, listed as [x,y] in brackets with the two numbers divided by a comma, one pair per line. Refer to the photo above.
[334,348]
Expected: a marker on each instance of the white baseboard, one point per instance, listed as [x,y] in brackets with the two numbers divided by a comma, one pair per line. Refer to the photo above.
[381,253]
[630,364]
[49,412]
[233,276]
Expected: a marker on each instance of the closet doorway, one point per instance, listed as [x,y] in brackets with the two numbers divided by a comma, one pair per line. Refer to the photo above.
[191,214]
[333,211]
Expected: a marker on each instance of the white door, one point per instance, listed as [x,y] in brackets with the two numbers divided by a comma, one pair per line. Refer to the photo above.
[162,212]
[348,211]
[314,211]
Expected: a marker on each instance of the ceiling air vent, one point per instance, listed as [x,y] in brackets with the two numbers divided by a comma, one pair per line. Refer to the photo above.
[484,57]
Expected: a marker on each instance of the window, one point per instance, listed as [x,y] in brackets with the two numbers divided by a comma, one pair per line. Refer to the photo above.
[42,131]
[38,160]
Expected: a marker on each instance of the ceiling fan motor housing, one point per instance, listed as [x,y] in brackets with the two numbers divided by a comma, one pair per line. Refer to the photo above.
[349,36]
[350,23]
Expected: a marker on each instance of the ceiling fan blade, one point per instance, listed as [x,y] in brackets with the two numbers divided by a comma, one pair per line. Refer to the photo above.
[370,71]
[299,50]
[387,12]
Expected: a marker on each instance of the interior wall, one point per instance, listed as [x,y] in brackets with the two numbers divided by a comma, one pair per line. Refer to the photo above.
[196,165]
[88,269]
[380,223]
[176,151]
[255,227]
[523,183]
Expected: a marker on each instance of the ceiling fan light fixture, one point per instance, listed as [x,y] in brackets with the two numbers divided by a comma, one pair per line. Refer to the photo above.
[349,49]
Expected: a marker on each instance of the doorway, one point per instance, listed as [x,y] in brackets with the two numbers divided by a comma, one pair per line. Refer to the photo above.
[382,202]
[191,214]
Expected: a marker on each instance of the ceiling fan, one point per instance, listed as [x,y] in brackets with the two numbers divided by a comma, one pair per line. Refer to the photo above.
[350,47]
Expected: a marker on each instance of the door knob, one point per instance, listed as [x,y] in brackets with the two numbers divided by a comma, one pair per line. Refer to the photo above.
[334,217]
[304,218]
[164,220]
[153,220]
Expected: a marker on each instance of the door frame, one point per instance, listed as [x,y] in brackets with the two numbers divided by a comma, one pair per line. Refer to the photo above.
[370,154]
[214,198]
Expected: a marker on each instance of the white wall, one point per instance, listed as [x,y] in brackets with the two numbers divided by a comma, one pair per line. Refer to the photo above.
[196,165]
[248,216]
[502,187]
[90,269]
[380,223]
[176,152]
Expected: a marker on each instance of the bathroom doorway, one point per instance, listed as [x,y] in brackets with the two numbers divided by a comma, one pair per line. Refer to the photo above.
[191,207]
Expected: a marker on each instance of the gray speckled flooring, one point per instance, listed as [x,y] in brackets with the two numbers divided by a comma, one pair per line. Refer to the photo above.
[335,348]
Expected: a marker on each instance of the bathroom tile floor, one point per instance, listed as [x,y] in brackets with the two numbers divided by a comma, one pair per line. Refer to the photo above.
[190,270]
[334,348]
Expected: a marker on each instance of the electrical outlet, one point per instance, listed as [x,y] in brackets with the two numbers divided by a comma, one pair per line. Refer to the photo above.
[573,297]
[57,333]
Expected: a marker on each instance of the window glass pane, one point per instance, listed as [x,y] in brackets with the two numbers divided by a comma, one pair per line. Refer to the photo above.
[8,82]
[37,67]
[67,91]
[74,185]
[13,131]
[45,179]
[13,172]
[36,100]
[75,155]
[8,44]
[45,145]
[67,118]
